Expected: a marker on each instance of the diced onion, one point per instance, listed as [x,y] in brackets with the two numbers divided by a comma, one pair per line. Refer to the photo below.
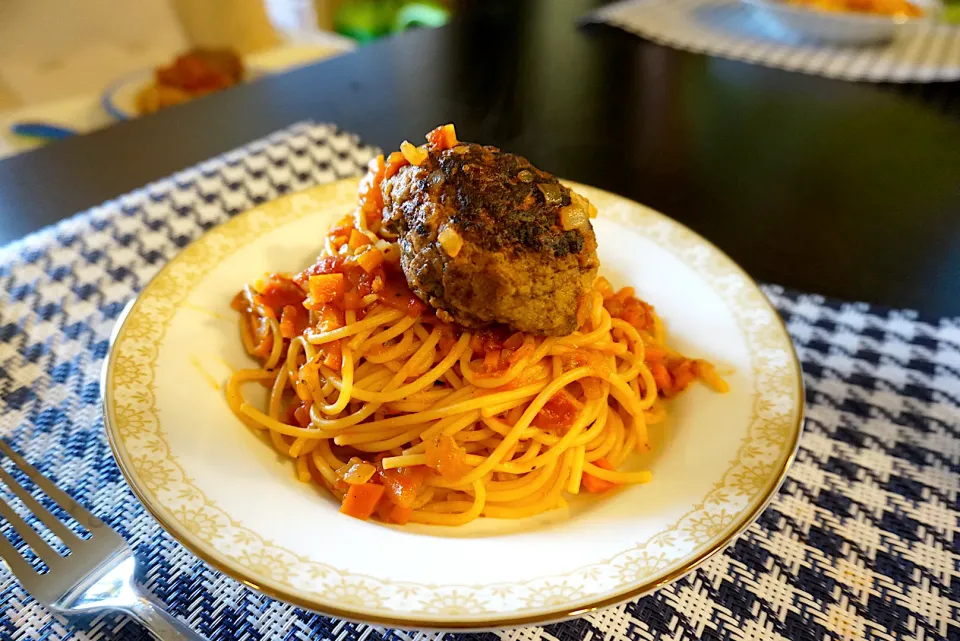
[415,155]
[573,216]
[451,241]
[390,251]
[578,213]
[551,192]
[356,471]
[580,201]
[370,259]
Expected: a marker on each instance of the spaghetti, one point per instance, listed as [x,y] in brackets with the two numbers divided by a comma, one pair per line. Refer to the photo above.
[407,418]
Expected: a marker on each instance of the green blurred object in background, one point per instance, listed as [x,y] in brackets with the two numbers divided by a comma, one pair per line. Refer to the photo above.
[951,11]
[366,20]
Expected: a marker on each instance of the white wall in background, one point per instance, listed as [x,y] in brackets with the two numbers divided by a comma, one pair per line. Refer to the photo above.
[52,49]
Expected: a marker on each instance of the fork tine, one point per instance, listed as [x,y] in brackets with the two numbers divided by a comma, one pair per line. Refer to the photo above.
[40,547]
[56,526]
[14,560]
[73,508]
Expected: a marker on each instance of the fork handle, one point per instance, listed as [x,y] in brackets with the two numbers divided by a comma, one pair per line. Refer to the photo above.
[160,623]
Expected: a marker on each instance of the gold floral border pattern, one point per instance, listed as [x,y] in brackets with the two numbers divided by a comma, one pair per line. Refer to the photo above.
[160,482]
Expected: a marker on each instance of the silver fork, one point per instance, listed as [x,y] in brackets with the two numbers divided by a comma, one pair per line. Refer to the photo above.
[97,574]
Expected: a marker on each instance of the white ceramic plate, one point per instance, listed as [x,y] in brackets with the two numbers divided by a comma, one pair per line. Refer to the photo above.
[225,494]
[847,28]
[119,99]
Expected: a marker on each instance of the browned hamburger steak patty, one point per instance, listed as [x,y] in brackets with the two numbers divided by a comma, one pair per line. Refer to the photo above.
[483,239]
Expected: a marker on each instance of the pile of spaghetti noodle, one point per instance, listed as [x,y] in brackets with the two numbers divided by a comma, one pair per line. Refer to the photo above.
[407,418]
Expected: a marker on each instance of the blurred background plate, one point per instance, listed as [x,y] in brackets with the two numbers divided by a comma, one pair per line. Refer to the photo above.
[119,99]
[847,28]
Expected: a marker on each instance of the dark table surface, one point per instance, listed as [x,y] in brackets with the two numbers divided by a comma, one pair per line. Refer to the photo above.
[844,189]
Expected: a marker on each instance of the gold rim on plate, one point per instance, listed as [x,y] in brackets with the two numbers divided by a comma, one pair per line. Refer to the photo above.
[204,253]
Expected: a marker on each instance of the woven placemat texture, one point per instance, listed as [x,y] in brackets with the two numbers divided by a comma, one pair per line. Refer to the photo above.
[861,543]
[731,29]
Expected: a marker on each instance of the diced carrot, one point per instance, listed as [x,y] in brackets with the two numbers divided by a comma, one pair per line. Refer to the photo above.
[637,313]
[361,500]
[325,288]
[443,137]
[661,377]
[280,291]
[558,412]
[352,301]
[655,354]
[449,135]
[343,227]
[595,484]
[332,355]
[445,456]
[625,301]
[357,239]
[491,361]
[435,138]
[302,414]
[604,463]
[370,259]
[403,484]
[371,197]
[395,162]
[331,318]
[681,376]
[613,306]
[401,514]
[384,508]
[325,265]
[291,322]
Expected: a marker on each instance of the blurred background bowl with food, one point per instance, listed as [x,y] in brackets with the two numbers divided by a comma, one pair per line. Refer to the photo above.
[846,22]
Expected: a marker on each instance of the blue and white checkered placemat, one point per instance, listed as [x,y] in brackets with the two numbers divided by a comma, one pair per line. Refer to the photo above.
[861,543]
[731,29]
